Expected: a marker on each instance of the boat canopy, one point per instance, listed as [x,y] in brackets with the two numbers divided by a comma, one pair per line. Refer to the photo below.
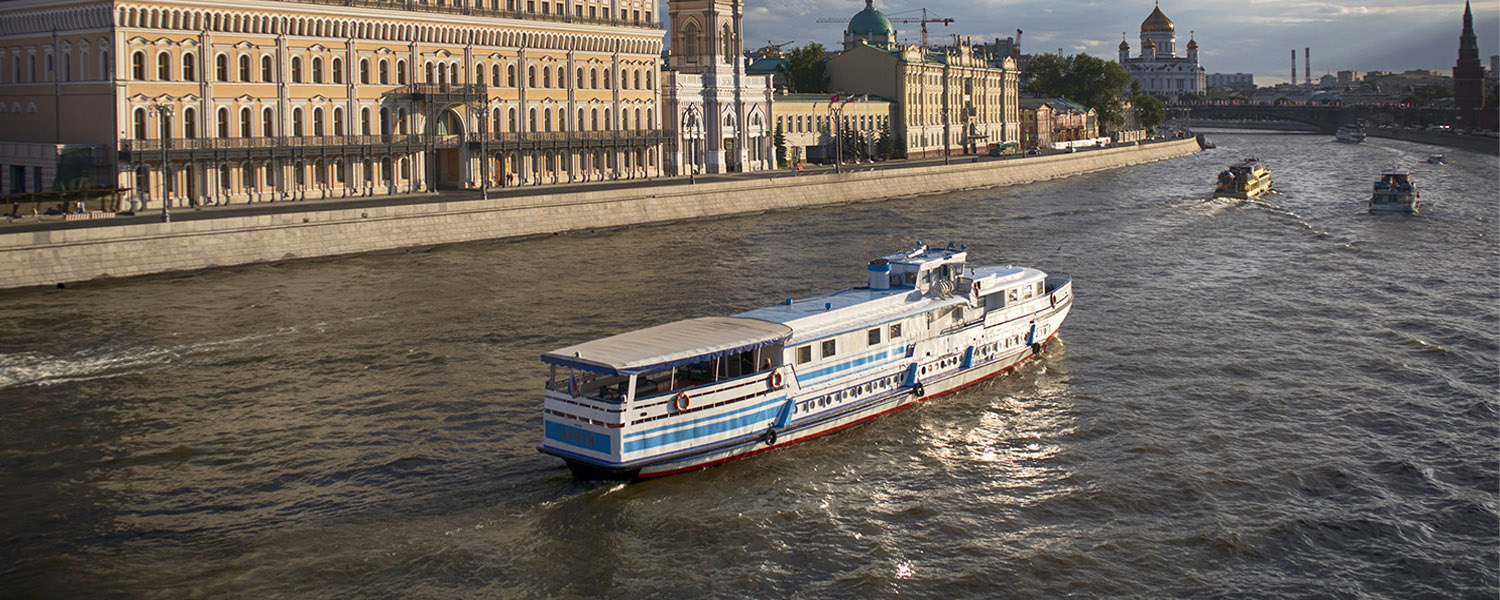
[670,345]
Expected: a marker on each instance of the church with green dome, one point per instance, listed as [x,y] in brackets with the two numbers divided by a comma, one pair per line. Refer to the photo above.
[869,27]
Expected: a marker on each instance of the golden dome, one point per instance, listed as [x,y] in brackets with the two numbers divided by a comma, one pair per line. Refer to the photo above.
[1192,44]
[1148,44]
[1124,45]
[1157,22]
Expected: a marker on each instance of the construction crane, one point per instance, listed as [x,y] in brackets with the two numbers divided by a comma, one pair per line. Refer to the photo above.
[924,20]
[772,49]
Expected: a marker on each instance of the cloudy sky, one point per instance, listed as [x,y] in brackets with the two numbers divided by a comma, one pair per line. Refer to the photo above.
[1249,36]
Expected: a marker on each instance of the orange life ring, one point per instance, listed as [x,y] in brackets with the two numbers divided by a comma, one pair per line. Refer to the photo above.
[681,401]
[776,380]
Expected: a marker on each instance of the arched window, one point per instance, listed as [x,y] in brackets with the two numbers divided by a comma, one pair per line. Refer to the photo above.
[512,118]
[364,121]
[479,74]
[638,119]
[337,68]
[400,72]
[188,72]
[385,72]
[338,121]
[607,72]
[137,67]
[430,77]
[562,77]
[579,123]
[385,170]
[104,66]
[578,80]
[267,124]
[510,76]
[726,39]
[453,73]
[625,119]
[247,176]
[531,120]
[364,71]
[266,74]
[296,69]
[385,121]
[650,120]
[401,121]
[546,77]
[297,122]
[531,76]
[546,119]
[690,40]
[244,67]
[317,69]
[163,67]
[247,124]
[637,84]
[594,119]
[495,120]
[140,123]
[221,68]
[189,123]
[223,123]
[593,79]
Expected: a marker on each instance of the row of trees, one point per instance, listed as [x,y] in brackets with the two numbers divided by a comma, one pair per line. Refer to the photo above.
[1093,82]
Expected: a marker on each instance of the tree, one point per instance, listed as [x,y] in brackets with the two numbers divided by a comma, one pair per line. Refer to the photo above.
[1090,81]
[885,146]
[1424,95]
[780,141]
[1150,110]
[804,70]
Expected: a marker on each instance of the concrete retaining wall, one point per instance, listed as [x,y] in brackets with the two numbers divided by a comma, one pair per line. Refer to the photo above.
[69,255]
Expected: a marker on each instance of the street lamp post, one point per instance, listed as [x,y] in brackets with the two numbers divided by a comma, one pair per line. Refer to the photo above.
[836,112]
[163,112]
[946,133]
[689,120]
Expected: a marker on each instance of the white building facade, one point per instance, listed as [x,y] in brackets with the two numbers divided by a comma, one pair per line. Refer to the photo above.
[719,116]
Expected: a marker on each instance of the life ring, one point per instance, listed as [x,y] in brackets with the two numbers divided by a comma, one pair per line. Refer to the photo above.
[776,380]
[681,401]
[770,436]
[919,390]
[1054,301]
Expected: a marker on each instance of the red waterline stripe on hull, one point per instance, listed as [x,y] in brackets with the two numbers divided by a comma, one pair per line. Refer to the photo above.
[849,424]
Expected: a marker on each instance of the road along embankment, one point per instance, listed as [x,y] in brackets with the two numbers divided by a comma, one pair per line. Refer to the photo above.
[71,255]
[1475,143]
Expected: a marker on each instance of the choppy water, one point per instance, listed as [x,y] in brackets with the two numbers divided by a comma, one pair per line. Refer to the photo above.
[1286,398]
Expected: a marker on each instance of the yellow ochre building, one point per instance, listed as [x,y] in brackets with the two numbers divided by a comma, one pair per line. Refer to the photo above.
[264,100]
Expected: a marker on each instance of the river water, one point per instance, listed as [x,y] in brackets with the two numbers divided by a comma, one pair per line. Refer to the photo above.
[1285,398]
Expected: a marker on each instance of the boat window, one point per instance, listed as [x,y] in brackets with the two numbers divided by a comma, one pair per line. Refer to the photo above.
[588,384]
[829,348]
[804,354]
[874,336]
[958,313]
[895,330]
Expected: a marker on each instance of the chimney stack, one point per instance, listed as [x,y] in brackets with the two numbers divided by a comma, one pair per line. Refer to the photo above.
[1307,65]
[1294,66]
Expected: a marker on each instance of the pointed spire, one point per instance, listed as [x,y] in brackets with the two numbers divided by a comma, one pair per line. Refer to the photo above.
[1467,40]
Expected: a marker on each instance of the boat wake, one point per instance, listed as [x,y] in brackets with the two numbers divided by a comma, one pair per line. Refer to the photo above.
[38,368]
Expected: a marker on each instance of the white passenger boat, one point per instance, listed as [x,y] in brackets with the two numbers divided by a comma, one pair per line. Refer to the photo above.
[1395,192]
[694,393]
[1350,134]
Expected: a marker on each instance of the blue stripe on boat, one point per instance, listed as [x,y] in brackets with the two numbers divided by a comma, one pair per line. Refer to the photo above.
[573,436]
[702,430]
[695,422]
[804,379]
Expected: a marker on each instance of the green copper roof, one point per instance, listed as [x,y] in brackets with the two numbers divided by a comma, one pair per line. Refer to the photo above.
[870,22]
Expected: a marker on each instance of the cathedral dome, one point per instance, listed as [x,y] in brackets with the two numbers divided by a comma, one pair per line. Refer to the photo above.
[870,22]
[1192,44]
[1124,45]
[1157,22]
[1149,44]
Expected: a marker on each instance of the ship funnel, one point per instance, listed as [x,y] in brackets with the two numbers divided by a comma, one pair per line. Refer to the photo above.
[880,274]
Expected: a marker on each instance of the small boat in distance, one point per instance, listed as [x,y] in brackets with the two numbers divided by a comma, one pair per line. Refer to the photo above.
[1437,159]
[694,393]
[1395,192]
[1247,179]
[1350,134]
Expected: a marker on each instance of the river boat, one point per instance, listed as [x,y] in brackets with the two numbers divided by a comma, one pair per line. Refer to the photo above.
[1247,179]
[1350,134]
[694,393]
[1437,159]
[1395,192]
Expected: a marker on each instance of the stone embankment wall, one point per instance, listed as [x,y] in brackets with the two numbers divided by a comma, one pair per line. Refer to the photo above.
[70,255]
[1476,143]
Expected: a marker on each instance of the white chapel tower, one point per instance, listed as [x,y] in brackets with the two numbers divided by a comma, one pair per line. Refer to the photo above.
[719,117]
